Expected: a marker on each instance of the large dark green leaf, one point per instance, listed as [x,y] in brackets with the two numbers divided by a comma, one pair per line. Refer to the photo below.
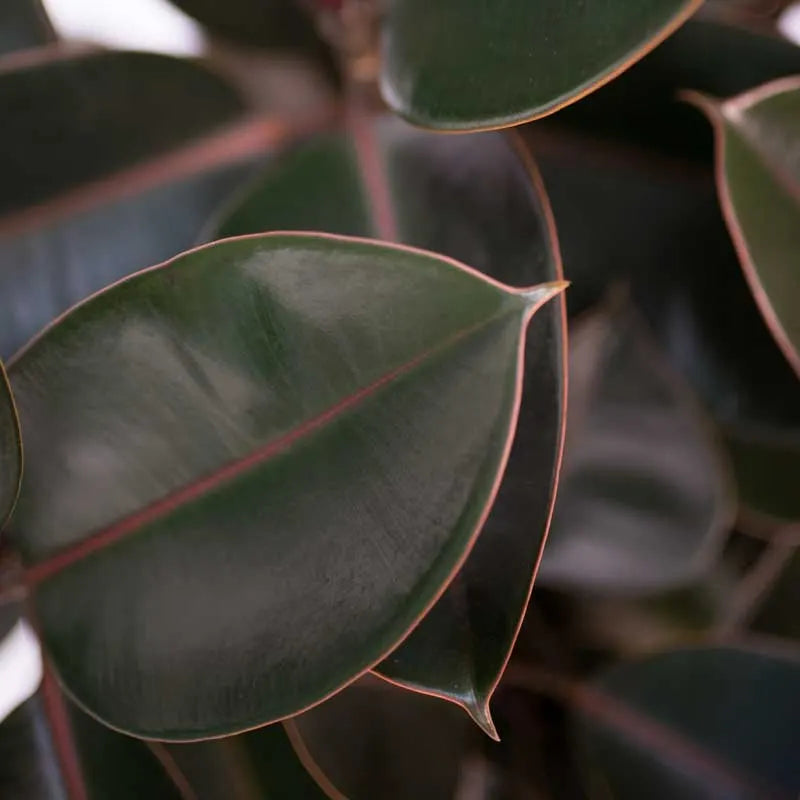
[10,450]
[375,742]
[23,24]
[472,199]
[123,156]
[645,499]
[466,64]
[715,722]
[758,174]
[251,470]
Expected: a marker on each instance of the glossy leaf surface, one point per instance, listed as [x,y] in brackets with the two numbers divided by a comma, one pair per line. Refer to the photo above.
[278,413]
[10,450]
[375,742]
[473,199]
[23,24]
[465,64]
[714,722]
[758,171]
[644,501]
[172,147]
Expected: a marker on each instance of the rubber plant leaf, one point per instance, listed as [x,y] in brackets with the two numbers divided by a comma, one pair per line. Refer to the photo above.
[705,722]
[474,199]
[468,64]
[166,141]
[23,24]
[424,744]
[10,450]
[758,177]
[645,501]
[259,465]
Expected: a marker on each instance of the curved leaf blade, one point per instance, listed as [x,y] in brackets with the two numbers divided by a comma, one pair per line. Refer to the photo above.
[645,501]
[248,387]
[467,65]
[474,199]
[758,176]
[710,722]
[10,450]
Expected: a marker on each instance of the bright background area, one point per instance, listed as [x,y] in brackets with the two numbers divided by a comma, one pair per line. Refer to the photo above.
[128,24]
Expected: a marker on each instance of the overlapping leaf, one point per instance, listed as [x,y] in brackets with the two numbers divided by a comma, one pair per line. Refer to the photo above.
[374,741]
[758,172]
[713,722]
[470,198]
[644,501]
[466,64]
[110,162]
[258,466]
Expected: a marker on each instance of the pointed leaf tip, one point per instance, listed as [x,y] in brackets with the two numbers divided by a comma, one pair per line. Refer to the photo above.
[536,296]
[480,714]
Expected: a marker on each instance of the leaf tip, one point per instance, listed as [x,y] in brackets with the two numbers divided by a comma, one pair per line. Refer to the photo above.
[482,717]
[536,296]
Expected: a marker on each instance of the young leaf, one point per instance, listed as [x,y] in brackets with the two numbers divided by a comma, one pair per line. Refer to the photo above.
[710,722]
[252,470]
[388,179]
[468,64]
[758,175]
[375,741]
[147,146]
[23,24]
[10,450]
[645,500]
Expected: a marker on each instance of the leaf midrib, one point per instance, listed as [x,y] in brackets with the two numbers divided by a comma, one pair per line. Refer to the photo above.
[197,489]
